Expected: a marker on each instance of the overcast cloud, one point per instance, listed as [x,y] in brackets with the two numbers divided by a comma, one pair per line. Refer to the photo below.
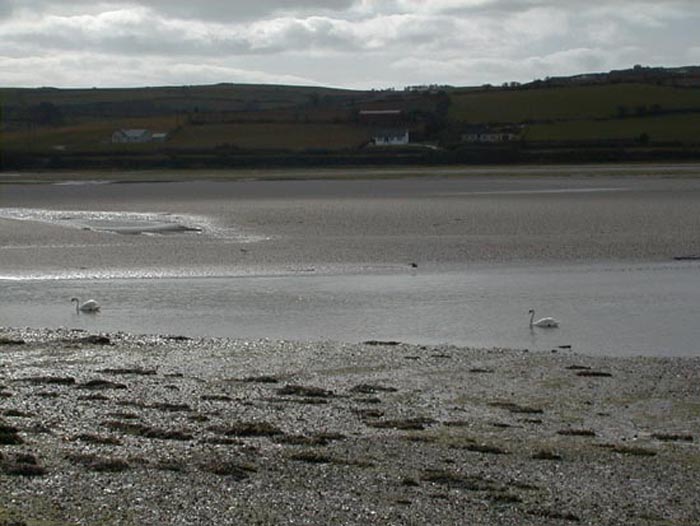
[345,43]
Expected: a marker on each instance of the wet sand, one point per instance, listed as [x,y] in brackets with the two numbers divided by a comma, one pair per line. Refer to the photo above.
[125,429]
[263,226]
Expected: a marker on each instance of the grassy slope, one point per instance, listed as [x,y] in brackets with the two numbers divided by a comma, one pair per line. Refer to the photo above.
[562,113]
[92,131]
[90,135]
[579,102]
[287,136]
[95,136]
[684,128]
[218,97]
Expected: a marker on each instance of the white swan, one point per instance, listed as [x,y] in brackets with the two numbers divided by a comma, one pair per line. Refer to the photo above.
[88,306]
[546,323]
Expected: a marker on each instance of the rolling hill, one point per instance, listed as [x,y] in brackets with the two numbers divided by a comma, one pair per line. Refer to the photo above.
[644,108]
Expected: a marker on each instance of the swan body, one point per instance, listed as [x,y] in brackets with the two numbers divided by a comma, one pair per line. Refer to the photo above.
[545,323]
[88,306]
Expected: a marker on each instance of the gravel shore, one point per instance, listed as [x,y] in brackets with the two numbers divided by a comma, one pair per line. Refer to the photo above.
[166,430]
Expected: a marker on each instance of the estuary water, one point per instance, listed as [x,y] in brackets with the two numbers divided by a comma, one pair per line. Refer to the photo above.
[420,260]
[613,309]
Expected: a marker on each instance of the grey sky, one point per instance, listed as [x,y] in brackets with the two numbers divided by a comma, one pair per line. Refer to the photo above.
[345,43]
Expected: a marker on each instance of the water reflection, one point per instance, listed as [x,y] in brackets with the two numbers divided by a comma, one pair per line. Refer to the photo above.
[648,309]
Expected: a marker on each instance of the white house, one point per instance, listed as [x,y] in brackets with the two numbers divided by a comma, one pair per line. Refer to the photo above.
[132,136]
[390,138]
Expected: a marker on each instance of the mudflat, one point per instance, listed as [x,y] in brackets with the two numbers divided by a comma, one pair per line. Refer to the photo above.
[366,219]
[127,429]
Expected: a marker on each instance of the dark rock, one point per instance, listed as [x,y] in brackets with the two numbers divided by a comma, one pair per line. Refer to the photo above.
[99,464]
[407,424]
[19,469]
[369,413]
[368,400]
[462,482]
[515,408]
[372,389]
[172,408]
[263,379]
[99,385]
[577,432]
[177,338]
[11,341]
[134,370]
[551,514]
[485,448]
[216,398]
[48,380]
[95,339]
[9,436]
[312,457]
[16,413]
[546,455]
[300,390]
[672,437]
[505,498]
[91,438]
[388,343]
[248,429]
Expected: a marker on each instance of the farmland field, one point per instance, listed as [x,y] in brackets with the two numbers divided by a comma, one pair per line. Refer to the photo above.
[260,119]
[682,127]
[567,103]
[287,136]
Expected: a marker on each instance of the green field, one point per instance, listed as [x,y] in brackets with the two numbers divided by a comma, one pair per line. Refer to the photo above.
[271,136]
[96,136]
[92,135]
[578,102]
[683,128]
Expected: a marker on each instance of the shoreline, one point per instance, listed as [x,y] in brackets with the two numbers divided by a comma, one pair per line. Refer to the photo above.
[127,429]
[680,168]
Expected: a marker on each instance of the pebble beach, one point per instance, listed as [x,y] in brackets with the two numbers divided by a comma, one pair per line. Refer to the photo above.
[127,429]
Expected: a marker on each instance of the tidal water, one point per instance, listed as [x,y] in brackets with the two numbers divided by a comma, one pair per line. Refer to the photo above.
[429,260]
[603,309]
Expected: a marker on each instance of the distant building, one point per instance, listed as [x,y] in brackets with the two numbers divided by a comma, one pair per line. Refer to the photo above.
[487,135]
[390,137]
[132,136]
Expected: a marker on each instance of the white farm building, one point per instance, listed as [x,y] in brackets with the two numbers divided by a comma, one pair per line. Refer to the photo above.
[134,136]
[390,138]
